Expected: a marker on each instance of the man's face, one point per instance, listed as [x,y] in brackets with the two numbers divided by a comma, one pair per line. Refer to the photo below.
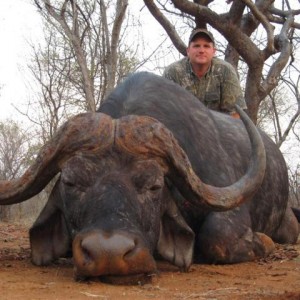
[201,51]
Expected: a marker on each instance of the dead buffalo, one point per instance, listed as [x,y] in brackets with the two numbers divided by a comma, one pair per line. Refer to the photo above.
[155,173]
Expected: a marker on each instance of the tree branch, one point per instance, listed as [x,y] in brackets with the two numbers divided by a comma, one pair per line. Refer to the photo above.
[167,25]
[284,46]
[265,22]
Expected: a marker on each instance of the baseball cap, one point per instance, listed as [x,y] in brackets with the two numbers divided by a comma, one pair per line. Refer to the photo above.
[201,31]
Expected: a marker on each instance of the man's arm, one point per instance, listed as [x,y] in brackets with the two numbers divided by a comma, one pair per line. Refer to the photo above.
[231,93]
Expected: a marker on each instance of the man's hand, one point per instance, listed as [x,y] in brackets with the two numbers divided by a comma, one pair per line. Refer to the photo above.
[235,115]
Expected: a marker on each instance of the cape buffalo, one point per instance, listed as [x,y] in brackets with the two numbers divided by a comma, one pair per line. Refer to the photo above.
[155,173]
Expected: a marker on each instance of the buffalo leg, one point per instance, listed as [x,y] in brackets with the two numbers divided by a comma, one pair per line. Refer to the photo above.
[227,237]
[288,231]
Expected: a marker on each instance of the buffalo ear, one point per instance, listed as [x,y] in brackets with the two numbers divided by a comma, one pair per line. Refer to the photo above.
[176,239]
[49,237]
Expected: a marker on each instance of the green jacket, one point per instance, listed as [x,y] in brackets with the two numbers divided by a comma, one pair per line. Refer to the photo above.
[218,89]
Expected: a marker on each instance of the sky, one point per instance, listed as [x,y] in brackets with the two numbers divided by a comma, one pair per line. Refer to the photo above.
[19,24]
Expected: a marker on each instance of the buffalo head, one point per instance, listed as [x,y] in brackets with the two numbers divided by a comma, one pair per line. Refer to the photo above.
[112,203]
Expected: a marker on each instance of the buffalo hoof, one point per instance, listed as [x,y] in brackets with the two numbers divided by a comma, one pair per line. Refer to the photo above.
[266,245]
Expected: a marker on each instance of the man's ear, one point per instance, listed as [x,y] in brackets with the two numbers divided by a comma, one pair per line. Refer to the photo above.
[49,237]
[176,239]
[187,51]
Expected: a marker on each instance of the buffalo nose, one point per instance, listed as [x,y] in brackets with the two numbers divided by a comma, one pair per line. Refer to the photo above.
[107,246]
[101,253]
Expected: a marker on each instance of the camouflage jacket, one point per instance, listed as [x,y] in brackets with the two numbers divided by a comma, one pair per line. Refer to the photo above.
[218,89]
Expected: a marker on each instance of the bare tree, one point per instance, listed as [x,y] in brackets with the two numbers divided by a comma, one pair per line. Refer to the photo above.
[15,155]
[14,146]
[277,114]
[294,179]
[57,85]
[83,55]
[92,30]
[239,23]
[293,84]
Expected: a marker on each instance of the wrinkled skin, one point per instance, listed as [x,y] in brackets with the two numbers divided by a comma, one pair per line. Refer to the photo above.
[130,191]
[116,201]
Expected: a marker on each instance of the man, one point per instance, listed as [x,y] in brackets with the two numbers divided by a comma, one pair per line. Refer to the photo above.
[212,80]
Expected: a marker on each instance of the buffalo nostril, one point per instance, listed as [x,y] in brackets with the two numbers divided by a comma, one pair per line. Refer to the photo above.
[130,250]
[91,247]
[87,257]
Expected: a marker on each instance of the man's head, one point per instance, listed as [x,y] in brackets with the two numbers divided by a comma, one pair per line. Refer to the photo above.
[201,48]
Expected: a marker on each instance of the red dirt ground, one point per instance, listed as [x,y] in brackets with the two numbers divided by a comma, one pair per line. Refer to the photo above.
[276,277]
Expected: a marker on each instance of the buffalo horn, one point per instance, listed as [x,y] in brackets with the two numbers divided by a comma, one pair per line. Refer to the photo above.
[84,132]
[140,136]
[147,137]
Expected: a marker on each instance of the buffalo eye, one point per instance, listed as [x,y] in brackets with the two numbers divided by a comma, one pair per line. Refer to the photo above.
[155,187]
[72,182]
[67,180]
[145,182]
[147,176]
[69,183]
